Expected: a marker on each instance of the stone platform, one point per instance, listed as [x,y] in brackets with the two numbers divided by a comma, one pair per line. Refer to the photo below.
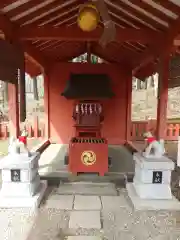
[87,188]
[24,202]
[151,204]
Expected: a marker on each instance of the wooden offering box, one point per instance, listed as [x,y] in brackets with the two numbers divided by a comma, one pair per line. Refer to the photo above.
[88,155]
[88,151]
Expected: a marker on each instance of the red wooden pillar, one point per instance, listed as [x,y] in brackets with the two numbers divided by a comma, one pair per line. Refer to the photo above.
[22,92]
[13,110]
[162,98]
[129,107]
[36,127]
[46,105]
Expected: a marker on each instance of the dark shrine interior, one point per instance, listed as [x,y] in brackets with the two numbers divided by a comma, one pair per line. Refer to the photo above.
[88,86]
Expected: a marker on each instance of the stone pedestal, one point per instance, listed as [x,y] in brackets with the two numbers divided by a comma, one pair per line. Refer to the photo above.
[21,185]
[151,184]
[178,155]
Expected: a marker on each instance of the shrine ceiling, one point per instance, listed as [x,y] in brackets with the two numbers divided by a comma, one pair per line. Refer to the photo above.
[48,30]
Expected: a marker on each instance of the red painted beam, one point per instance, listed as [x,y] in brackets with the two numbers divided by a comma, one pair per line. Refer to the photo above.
[6,26]
[119,6]
[146,71]
[5,3]
[160,49]
[10,31]
[76,34]
[152,10]
[145,58]
[32,69]
[170,6]
[54,8]
[177,41]
[34,55]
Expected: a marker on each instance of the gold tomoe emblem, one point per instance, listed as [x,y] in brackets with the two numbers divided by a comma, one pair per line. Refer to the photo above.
[88,158]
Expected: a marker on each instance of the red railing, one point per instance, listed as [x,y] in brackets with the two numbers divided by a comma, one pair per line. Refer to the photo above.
[139,128]
[35,129]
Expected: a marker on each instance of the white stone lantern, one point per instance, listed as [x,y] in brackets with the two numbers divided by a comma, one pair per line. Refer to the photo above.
[151,186]
[21,185]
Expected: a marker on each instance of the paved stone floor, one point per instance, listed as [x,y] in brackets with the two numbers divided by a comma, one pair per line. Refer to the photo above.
[83,217]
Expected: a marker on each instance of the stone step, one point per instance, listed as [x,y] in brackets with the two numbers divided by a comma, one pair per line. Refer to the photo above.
[87,188]
[83,238]
[87,203]
[95,178]
[85,220]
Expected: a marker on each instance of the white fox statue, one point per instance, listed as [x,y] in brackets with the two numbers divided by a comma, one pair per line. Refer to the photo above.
[15,146]
[153,145]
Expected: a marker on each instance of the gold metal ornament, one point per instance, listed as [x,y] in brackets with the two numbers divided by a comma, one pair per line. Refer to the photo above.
[88,17]
[88,158]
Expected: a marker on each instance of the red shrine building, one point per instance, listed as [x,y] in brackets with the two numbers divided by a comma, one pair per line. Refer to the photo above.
[87,106]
